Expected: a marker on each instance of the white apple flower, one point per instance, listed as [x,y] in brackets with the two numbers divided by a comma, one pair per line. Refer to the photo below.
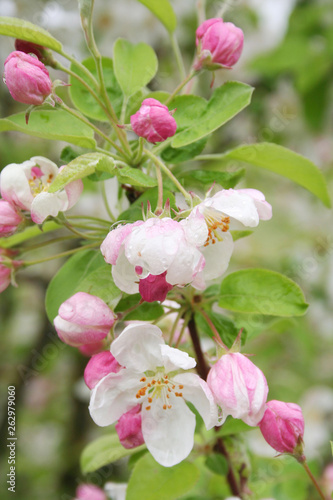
[26,186]
[149,378]
[227,209]
[153,256]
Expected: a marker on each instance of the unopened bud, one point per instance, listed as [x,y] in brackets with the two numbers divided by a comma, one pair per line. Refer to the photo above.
[153,121]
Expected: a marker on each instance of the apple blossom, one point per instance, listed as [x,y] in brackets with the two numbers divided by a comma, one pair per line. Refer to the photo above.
[27,78]
[10,218]
[214,217]
[5,275]
[151,257]
[129,428]
[89,492]
[239,388]
[83,319]
[153,121]
[219,44]
[283,426]
[98,366]
[148,378]
[26,186]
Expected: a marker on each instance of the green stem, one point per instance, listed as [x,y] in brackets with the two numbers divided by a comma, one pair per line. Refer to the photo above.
[91,125]
[174,326]
[185,324]
[180,86]
[165,169]
[138,155]
[78,233]
[88,217]
[81,66]
[178,56]
[106,152]
[209,157]
[29,248]
[216,335]
[159,208]
[62,254]
[106,203]
[201,10]
[313,479]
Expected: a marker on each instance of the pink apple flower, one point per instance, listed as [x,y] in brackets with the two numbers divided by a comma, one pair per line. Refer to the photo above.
[10,218]
[151,257]
[5,274]
[129,428]
[148,378]
[83,319]
[27,78]
[219,44]
[153,121]
[89,492]
[239,388]
[98,366]
[214,217]
[283,427]
[26,186]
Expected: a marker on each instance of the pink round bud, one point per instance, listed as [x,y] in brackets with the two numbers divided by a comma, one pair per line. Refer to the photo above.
[83,319]
[153,121]
[10,219]
[239,388]
[5,276]
[219,44]
[98,366]
[27,78]
[283,426]
[29,48]
[89,492]
[129,428]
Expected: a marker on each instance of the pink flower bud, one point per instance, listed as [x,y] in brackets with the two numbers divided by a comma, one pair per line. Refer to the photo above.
[239,388]
[5,275]
[283,426]
[219,44]
[154,287]
[10,219]
[98,366]
[153,121]
[29,48]
[129,428]
[83,319]
[27,79]
[89,492]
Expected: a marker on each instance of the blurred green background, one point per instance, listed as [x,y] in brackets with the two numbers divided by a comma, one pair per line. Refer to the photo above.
[288,58]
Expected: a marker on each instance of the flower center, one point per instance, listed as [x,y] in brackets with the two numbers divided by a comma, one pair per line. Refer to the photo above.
[37,183]
[159,387]
[216,223]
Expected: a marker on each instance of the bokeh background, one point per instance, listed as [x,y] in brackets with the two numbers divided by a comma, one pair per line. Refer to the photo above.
[288,58]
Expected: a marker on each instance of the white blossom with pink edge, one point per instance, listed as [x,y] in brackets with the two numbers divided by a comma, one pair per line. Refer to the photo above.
[239,388]
[153,256]
[149,378]
[26,186]
[215,217]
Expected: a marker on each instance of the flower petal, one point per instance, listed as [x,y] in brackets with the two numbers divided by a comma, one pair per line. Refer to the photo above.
[138,347]
[217,259]
[124,275]
[239,206]
[15,185]
[168,434]
[113,396]
[197,392]
[73,191]
[45,204]
[174,359]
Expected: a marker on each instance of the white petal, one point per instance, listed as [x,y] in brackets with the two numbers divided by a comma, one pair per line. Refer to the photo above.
[45,204]
[217,258]
[239,206]
[73,191]
[15,186]
[113,396]
[185,266]
[195,228]
[197,392]
[263,207]
[138,347]
[124,275]
[47,166]
[174,359]
[168,434]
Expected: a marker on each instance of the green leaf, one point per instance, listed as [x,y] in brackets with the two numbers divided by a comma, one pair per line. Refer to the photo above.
[172,155]
[103,451]
[84,101]
[68,154]
[163,11]
[69,277]
[285,162]
[51,124]
[134,65]
[207,177]
[225,326]
[19,28]
[262,291]
[233,426]
[217,463]
[80,167]
[145,312]
[151,481]
[135,177]
[226,102]
[101,284]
